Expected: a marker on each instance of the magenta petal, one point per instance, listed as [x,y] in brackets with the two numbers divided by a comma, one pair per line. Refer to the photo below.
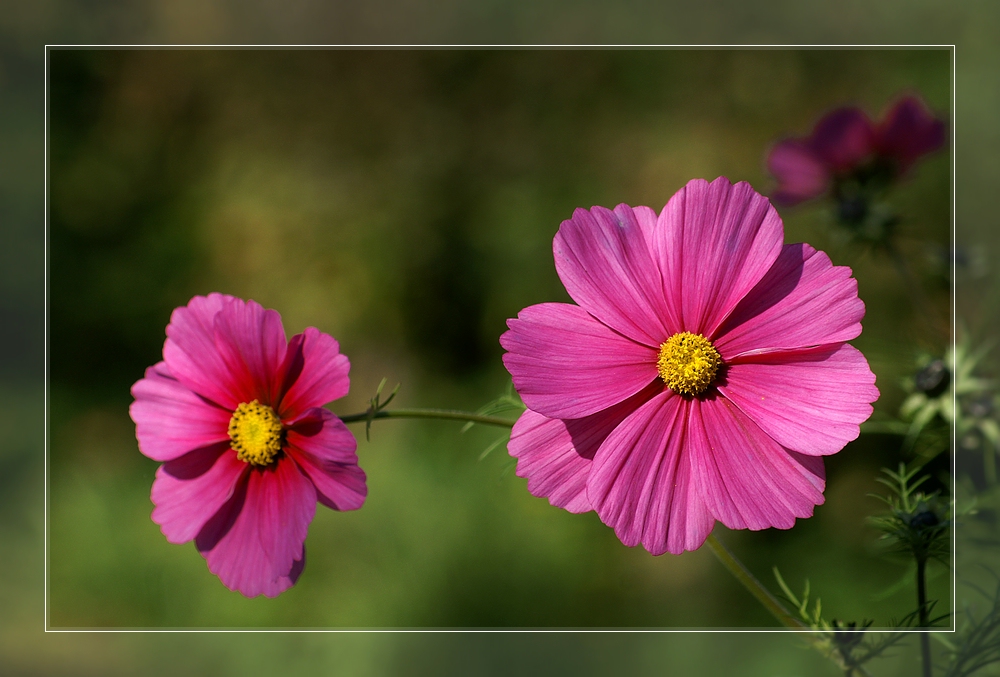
[647,219]
[602,258]
[555,454]
[188,491]
[642,482]
[292,577]
[801,174]
[251,341]
[255,541]
[812,469]
[908,131]
[566,364]
[547,457]
[811,402]
[747,479]
[170,420]
[804,300]
[715,241]
[314,372]
[843,139]
[325,450]
[191,353]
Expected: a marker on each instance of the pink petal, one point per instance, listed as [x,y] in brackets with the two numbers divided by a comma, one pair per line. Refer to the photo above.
[804,300]
[325,450]
[555,454]
[547,457]
[812,469]
[748,480]
[191,353]
[844,138]
[566,364]
[602,259]
[647,219]
[715,241]
[188,491]
[642,482]
[254,544]
[908,131]
[170,420]
[314,372]
[800,173]
[812,402]
[251,341]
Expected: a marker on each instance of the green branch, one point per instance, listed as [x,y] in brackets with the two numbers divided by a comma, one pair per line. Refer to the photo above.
[753,586]
[777,609]
[443,414]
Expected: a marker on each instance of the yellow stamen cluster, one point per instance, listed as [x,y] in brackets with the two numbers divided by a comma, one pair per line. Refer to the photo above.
[256,432]
[688,363]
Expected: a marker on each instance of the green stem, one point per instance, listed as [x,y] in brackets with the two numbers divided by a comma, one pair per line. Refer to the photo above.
[776,608]
[752,585]
[925,642]
[445,414]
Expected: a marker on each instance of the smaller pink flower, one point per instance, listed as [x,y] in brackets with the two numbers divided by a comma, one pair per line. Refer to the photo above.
[234,412]
[846,144]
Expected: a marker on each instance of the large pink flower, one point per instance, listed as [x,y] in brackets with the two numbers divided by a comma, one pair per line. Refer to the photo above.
[234,413]
[846,144]
[702,376]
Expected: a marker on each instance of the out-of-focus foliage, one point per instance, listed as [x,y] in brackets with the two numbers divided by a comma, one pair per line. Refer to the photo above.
[979,630]
[953,390]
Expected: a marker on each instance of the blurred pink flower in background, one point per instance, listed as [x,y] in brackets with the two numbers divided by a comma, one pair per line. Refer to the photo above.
[702,376]
[846,144]
[234,413]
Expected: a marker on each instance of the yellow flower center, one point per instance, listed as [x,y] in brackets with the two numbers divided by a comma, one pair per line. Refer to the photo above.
[688,363]
[255,431]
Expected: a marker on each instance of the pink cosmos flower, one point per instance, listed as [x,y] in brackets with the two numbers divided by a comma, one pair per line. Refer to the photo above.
[702,376]
[234,413]
[846,144]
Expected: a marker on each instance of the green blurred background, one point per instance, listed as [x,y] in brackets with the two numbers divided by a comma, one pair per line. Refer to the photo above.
[405,202]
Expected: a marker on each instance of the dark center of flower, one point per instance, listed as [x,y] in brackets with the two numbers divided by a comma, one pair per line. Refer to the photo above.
[688,363]
[979,406]
[933,379]
[924,518]
[256,432]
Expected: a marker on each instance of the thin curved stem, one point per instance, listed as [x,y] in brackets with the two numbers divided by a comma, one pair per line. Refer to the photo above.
[443,414]
[777,609]
[753,586]
[925,643]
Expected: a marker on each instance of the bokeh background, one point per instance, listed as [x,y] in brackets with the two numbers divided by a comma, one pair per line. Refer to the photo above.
[298,180]
[405,202]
